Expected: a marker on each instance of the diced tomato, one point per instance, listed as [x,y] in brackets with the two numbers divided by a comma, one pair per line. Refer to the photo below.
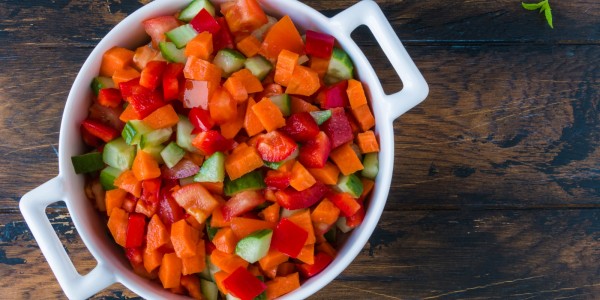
[292,199]
[319,44]
[314,153]
[168,210]
[151,75]
[196,200]
[301,127]
[157,27]
[275,146]
[136,226]
[277,179]
[204,21]
[151,190]
[348,206]
[109,97]
[288,238]
[242,284]
[170,81]
[322,260]
[338,128]
[335,95]
[223,38]
[245,16]
[211,141]
[241,203]
[201,119]
[183,169]
[100,130]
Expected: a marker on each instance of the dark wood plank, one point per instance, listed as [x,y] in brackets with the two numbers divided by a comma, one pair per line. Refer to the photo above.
[540,254]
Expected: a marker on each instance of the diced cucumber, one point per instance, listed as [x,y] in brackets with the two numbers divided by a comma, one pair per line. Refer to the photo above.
[371,164]
[283,102]
[188,13]
[88,162]
[321,116]
[170,52]
[118,154]
[213,169]
[133,131]
[101,82]
[155,137]
[255,246]
[331,235]
[205,274]
[341,224]
[155,151]
[172,154]
[259,66]
[181,35]
[340,67]
[229,61]
[249,182]
[263,295]
[184,134]
[209,289]
[350,184]
[108,176]
[186,181]
[278,164]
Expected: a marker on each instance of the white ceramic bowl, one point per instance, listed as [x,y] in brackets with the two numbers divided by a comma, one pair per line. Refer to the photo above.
[68,187]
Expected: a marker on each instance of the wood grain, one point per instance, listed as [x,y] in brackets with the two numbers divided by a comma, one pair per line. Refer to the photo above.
[495,193]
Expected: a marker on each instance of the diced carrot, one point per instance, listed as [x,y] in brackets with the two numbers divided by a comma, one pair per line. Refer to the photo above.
[271,213]
[298,105]
[225,240]
[282,285]
[219,277]
[115,59]
[242,227]
[192,284]
[114,198]
[152,259]
[249,45]
[200,69]
[194,223]
[201,46]
[368,185]
[301,179]
[213,187]
[157,234]
[128,182]
[124,75]
[117,225]
[184,238]
[364,117]
[304,81]
[346,159]
[222,107]
[218,220]
[146,208]
[241,146]
[227,262]
[236,88]
[163,117]
[250,82]
[270,196]
[325,212]
[196,263]
[270,273]
[286,63]
[302,219]
[367,142]
[197,158]
[307,254]
[282,35]
[287,166]
[356,94]
[272,259]
[268,114]
[128,114]
[320,65]
[252,124]
[170,271]
[145,166]
[286,268]
[328,174]
[230,129]
[326,248]
[242,162]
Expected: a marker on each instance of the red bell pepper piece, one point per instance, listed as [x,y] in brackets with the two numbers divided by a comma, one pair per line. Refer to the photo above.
[348,206]
[301,127]
[168,209]
[170,81]
[356,219]
[223,38]
[99,130]
[201,119]
[335,95]
[211,141]
[288,238]
[151,75]
[151,190]
[275,146]
[136,226]
[109,97]
[277,179]
[292,199]
[314,153]
[135,255]
[144,103]
[338,128]
[241,203]
[128,88]
[322,260]
[319,44]
[204,21]
[90,139]
[242,284]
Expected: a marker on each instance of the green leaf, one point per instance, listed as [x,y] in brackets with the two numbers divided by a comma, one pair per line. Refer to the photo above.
[532,6]
[548,14]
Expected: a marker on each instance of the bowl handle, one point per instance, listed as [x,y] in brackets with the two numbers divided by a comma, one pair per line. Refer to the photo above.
[415,88]
[33,207]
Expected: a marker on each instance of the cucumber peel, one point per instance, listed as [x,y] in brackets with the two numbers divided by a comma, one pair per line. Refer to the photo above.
[255,246]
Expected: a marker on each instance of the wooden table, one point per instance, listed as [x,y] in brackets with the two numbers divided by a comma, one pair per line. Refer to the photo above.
[496,189]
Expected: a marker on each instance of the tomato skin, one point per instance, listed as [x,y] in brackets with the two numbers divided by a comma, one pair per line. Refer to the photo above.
[275,146]
[211,141]
[277,179]
[301,127]
[291,199]
[168,209]
[314,153]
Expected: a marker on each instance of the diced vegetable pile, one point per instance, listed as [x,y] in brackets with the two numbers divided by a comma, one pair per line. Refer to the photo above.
[229,151]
